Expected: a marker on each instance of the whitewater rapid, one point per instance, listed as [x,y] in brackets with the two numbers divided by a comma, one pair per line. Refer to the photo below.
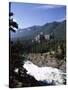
[45,74]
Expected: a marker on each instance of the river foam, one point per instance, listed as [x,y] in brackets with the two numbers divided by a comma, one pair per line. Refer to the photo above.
[45,74]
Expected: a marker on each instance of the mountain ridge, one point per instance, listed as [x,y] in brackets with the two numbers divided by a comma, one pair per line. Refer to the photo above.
[58,28]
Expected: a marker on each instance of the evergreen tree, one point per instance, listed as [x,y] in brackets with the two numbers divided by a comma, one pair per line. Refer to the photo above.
[12,24]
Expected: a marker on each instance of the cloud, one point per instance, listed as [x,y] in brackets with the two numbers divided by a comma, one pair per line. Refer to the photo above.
[48,6]
[62,19]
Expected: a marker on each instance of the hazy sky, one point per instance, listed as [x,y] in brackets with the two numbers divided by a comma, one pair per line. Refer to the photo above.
[27,14]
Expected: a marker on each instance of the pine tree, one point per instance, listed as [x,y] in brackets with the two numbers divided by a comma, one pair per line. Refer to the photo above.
[12,24]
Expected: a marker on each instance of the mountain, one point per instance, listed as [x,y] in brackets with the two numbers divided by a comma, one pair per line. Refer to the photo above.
[60,31]
[57,28]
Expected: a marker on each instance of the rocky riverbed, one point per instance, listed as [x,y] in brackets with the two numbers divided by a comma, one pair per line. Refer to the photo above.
[19,76]
[47,60]
[30,75]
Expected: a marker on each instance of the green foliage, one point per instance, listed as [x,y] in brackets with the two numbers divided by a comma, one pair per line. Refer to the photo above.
[42,47]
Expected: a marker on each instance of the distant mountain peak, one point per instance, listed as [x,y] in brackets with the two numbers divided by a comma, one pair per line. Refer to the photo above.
[58,28]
